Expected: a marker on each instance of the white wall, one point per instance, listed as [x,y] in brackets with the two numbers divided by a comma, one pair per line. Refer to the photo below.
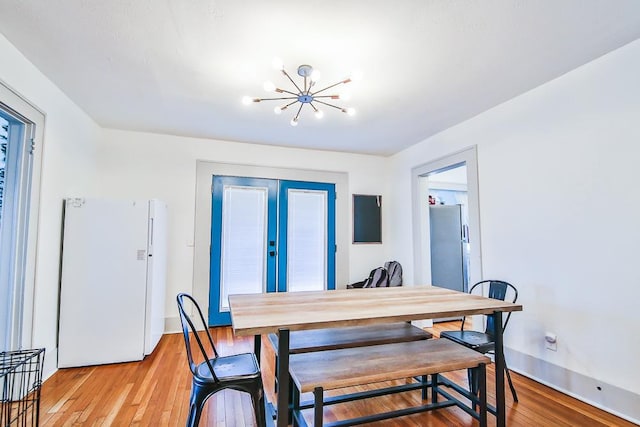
[144,165]
[559,208]
[67,168]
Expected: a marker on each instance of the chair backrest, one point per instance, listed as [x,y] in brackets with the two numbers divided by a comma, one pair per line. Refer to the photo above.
[189,330]
[498,289]
[395,272]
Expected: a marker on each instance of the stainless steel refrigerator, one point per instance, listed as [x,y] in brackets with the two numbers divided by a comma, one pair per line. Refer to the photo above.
[112,281]
[448,247]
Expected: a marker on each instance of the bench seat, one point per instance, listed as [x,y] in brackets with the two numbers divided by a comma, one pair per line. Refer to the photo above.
[352,336]
[334,369]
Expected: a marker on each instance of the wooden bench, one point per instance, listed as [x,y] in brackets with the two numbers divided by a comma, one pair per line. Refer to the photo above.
[333,369]
[348,337]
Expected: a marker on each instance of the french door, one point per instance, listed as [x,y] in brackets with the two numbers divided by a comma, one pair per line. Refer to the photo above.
[269,235]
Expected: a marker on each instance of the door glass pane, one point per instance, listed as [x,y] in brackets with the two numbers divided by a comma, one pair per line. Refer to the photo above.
[244,231]
[306,240]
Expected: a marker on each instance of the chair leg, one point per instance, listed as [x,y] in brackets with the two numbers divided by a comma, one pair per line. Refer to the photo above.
[196,403]
[513,389]
[275,376]
[257,397]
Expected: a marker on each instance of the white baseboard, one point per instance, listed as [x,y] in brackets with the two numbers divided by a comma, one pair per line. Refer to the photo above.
[50,363]
[615,400]
[172,325]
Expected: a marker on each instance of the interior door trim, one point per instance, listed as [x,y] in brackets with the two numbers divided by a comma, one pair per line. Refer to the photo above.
[197,243]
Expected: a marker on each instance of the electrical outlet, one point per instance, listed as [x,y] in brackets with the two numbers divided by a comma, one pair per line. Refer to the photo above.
[551,341]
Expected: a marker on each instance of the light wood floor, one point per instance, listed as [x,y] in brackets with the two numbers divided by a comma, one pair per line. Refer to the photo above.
[155,392]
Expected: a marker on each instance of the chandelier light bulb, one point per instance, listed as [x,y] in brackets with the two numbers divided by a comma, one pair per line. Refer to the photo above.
[277,110]
[319,114]
[294,122]
[356,76]
[315,76]
[345,96]
[269,86]
[351,111]
[277,64]
[246,100]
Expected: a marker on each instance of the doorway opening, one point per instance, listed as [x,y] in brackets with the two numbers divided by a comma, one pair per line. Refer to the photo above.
[446,220]
[201,243]
[449,228]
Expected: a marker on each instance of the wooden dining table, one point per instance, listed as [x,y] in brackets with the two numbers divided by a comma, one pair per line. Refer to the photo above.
[281,313]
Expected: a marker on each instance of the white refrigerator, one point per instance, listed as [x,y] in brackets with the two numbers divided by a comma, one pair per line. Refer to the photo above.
[112,280]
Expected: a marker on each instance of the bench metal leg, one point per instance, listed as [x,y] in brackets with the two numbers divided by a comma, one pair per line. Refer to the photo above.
[434,388]
[318,406]
[424,379]
[295,398]
[482,383]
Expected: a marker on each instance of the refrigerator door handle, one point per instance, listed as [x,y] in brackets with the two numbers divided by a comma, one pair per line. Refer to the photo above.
[150,232]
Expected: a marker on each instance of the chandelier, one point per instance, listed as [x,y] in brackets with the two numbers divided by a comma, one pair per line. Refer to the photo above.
[304,94]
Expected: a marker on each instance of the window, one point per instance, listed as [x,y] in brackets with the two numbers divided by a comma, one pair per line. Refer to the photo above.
[21,129]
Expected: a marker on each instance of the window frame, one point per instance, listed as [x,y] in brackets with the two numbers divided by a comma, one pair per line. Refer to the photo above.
[24,116]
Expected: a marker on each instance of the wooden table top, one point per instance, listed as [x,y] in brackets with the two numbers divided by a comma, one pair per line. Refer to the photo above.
[266,313]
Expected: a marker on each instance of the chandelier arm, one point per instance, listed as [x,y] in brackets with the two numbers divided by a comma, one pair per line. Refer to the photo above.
[287,91]
[298,113]
[329,105]
[329,87]
[313,106]
[311,84]
[327,96]
[290,104]
[275,99]
[291,80]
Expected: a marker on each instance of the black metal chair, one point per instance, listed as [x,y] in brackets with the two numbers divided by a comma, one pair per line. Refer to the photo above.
[484,342]
[238,372]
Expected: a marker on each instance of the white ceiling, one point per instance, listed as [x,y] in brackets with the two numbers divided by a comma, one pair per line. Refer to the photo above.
[182,67]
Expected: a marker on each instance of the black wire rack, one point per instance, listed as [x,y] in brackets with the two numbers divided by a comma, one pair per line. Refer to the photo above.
[20,380]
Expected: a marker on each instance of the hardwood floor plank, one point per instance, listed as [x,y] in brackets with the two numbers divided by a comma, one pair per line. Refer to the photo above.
[155,392]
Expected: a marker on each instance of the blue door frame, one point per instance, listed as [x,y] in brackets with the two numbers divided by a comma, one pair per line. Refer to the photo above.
[276,253]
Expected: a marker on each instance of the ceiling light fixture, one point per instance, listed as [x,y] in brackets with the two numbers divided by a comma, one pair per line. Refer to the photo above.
[304,95]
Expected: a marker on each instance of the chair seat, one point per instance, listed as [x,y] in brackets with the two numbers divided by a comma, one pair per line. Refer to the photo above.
[478,341]
[230,368]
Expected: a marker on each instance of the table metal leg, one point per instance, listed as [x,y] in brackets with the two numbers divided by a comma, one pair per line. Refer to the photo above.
[257,346]
[283,378]
[499,365]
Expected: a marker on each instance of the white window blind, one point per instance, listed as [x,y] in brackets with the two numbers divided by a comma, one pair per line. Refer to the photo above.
[244,225]
[306,240]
